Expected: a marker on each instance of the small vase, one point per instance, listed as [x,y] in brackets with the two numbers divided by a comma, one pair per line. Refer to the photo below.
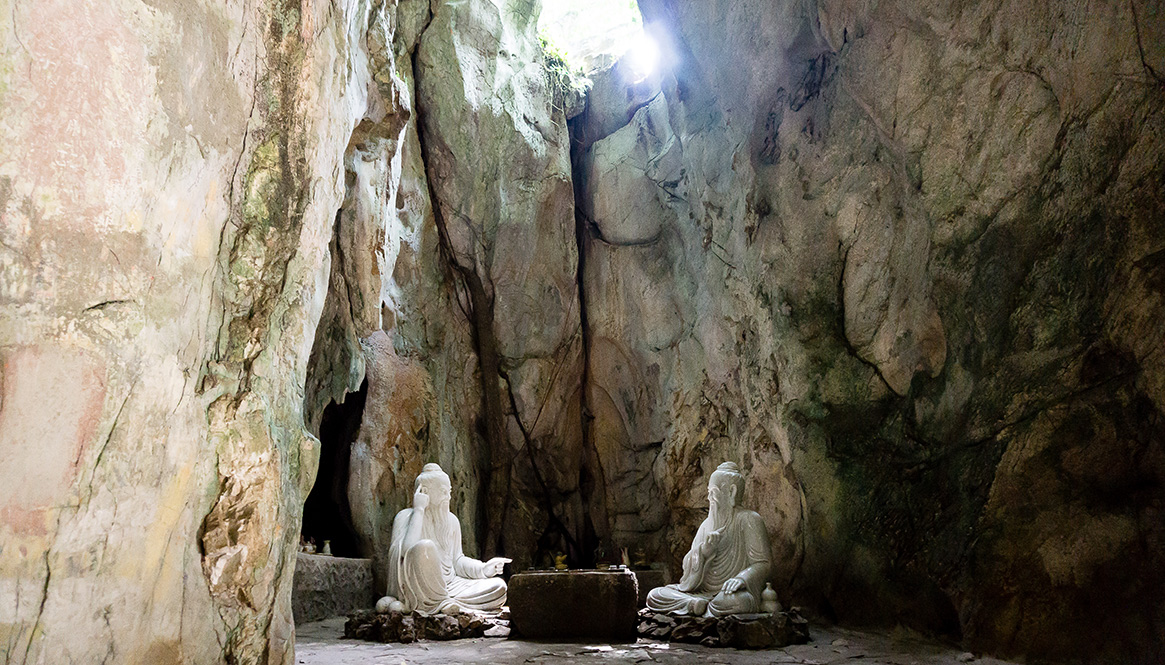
[768,600]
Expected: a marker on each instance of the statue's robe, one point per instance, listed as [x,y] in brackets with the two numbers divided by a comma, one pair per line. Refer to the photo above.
[743,551]
[434,573]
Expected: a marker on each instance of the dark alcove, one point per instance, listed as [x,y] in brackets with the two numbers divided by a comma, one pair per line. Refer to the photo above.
[326,513]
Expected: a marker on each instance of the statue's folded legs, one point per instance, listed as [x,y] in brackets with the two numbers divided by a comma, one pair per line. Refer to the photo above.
[671,600]
[426,589]
[422,586]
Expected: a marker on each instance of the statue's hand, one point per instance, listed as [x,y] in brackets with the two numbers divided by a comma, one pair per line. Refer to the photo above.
[732,585]
[711,542]
[494,566]
[420,501]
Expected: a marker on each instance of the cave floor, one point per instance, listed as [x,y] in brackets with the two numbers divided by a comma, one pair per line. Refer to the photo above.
[320,643]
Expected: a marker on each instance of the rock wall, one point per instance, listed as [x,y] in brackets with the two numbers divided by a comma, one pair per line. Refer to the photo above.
[463,315]
[170,174]
[904,265]
[496,152]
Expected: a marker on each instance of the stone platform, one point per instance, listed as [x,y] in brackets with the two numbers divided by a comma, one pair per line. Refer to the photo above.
[574,604]
[741,631]
[328,586]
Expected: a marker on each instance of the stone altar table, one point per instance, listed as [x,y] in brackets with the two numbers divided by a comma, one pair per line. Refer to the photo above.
[598,605]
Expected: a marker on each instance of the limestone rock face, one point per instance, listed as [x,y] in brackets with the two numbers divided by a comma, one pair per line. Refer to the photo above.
[169,179]
[904,265]
[463,316]
[495,150]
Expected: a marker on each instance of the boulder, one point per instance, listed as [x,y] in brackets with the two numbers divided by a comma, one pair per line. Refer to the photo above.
[763,631]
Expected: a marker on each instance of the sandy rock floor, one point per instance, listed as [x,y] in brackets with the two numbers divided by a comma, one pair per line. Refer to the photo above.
[320,643]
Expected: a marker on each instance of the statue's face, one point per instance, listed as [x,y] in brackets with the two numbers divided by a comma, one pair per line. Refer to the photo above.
[439,491]
[721,492]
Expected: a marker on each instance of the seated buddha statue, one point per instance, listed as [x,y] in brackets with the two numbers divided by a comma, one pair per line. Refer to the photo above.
[427,571]
[726,568]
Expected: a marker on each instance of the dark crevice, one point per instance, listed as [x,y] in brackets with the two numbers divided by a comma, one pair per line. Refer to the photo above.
[584,133]
[246,135]
[107,303]
[327,514]
[108,438]
[44,596]
[555,526]
[591,228]
[592,481]
[1159,78]
[555,537]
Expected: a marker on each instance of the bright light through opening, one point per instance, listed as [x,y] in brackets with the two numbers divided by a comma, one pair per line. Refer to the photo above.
[642,59]
[596,33]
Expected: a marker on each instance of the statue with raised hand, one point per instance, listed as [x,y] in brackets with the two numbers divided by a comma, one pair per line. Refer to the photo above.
[726,568]
[427,571]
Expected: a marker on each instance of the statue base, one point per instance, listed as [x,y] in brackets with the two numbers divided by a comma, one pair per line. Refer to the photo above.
[741,631]
[406,627]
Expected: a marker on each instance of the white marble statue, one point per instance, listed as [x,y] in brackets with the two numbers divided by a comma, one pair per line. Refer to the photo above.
[726,569]
[427,571]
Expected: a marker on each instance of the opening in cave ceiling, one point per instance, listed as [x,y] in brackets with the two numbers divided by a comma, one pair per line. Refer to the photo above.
[595,33]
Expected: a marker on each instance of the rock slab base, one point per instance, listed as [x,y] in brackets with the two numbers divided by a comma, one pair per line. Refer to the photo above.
[409,627]
[742,631]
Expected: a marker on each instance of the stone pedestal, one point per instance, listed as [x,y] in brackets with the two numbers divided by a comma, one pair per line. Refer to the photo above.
[592,605]
[409,627]
[742,631]
[328,586]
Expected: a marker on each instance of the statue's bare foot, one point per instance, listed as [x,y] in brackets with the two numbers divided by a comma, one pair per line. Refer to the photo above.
[389,604]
